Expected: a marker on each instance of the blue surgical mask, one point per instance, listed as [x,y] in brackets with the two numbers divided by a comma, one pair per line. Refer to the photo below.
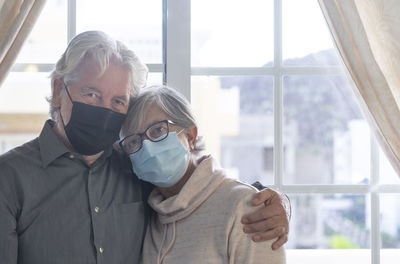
[161,163]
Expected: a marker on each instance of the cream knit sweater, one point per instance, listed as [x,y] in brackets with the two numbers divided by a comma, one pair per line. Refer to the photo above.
[202,223]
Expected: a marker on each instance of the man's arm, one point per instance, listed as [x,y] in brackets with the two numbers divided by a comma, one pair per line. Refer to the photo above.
[8,234]
[271,221]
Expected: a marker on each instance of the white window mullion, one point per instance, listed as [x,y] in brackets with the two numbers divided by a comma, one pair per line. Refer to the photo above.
[278,96]
[375,230]
[326,188]
[278,131]
[375,208]
[277,70]
[71,20]
[177,45]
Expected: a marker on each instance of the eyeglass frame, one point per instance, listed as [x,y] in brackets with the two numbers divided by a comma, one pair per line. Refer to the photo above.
[141,135]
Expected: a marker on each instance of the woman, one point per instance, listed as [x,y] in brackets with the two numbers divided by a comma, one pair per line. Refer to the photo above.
[198,208]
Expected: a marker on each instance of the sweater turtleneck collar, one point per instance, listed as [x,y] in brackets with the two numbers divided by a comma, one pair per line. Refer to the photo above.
[202,183]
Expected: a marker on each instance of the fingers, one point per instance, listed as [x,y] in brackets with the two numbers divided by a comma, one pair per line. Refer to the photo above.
[278,232]
[263,213]
[264,196]
[282,240]
[273,223]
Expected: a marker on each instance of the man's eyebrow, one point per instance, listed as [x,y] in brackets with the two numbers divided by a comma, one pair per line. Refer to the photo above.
[122,97]
[90,88]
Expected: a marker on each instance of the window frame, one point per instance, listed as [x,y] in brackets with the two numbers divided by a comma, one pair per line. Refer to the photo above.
[177,72]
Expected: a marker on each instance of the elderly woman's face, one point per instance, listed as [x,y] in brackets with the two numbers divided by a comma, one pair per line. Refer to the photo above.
[157,157]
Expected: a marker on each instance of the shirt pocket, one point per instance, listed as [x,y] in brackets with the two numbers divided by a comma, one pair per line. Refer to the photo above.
[127,227]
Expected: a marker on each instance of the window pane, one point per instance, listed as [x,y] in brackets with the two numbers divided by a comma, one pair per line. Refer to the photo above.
[306,38]
[138,24]
[154,78]
[387,174]
[48,38]
[390,227]
[10,141]
[23,107]
[235,117]
[25,92]
[228,33]
[328,137]
[337,221]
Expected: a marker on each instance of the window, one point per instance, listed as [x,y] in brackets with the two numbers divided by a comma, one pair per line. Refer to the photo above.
[273,102]
[293,124]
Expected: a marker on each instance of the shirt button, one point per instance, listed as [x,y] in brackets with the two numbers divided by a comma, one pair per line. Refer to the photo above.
[96,209]
[101,250]
[71,156]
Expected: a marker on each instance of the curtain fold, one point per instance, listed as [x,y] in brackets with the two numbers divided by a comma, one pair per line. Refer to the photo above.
[17,18]
[367,35]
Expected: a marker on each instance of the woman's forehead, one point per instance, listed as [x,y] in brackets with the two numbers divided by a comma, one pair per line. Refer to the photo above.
[152,114]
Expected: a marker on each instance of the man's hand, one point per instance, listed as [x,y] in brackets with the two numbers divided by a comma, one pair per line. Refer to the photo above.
[269,222]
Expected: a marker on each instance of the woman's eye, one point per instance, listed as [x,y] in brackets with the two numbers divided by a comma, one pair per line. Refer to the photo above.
[158,131]
[133,142]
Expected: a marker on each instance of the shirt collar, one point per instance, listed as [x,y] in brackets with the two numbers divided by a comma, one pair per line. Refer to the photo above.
[51,147]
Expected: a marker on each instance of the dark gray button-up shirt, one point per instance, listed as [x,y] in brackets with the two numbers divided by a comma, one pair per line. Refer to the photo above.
[56,209]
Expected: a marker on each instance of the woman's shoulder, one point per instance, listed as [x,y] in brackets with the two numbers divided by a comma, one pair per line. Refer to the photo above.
[237,193]
[238,187]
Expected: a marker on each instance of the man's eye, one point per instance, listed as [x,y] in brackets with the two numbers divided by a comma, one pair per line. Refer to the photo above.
[92,95]
[120,102]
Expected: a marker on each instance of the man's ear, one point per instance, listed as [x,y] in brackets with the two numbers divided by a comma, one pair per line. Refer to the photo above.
[191,134]
[57,86]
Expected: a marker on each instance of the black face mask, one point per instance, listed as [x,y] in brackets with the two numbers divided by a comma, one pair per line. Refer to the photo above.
[92,129]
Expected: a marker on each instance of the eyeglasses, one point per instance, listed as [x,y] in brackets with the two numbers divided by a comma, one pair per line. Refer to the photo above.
[155,132]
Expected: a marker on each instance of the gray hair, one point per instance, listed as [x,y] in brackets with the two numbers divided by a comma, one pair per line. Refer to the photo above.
[101,48]
[170,101]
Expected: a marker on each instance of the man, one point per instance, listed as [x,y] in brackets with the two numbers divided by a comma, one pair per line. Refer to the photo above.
[67,196]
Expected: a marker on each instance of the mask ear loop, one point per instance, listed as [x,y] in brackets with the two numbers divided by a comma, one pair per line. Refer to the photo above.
[66,89]
[177,133]
[59,109]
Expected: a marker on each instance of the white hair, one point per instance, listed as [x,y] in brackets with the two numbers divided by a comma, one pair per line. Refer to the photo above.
[100,48]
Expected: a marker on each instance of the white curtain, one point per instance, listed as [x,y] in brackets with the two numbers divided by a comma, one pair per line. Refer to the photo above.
[17,18]
[367,35]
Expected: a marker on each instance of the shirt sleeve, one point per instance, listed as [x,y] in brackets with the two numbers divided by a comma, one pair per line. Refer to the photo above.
[241,247]
[8,234]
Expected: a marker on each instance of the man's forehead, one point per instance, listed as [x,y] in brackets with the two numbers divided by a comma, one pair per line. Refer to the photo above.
[90,67]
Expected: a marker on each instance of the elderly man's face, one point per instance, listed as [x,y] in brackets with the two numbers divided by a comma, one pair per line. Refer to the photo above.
[110,90]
